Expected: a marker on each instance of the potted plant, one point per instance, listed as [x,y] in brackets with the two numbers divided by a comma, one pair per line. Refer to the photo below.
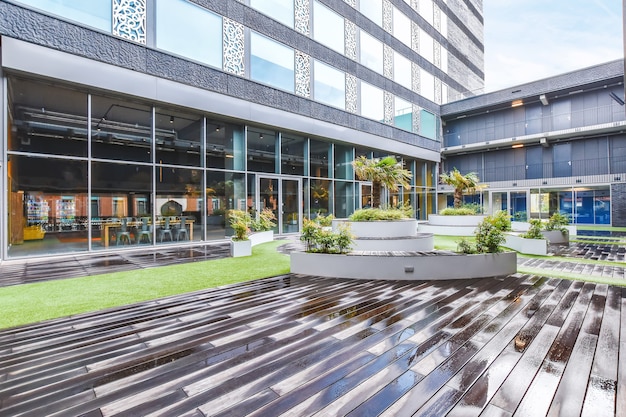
[532,242]
[555,228]
[263,227]
[240,244]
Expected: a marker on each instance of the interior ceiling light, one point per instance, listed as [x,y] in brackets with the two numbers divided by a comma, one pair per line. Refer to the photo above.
[517,103]
[171,119]
[518,145]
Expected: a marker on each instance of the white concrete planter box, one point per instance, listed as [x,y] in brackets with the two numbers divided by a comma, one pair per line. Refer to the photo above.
[381,229]
[240,248]
[524,226]
[556,236]
[422,242]
[433,267]
[526,246]
[261,237]
[439,220]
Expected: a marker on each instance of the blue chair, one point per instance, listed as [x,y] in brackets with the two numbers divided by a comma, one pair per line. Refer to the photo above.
[124,233]
[145,231]
[166,230]
[182,229]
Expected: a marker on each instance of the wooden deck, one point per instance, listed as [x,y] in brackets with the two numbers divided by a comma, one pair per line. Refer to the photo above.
[300,345]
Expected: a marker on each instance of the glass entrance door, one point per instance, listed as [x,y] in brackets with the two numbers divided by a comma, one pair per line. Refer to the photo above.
[284,197]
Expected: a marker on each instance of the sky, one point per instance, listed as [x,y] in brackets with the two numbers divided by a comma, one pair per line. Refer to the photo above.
[528,40]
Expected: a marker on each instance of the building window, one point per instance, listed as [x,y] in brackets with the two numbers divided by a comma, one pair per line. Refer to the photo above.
[402,70]
[427,85]
[427,46]
[188,30]
[426,10]
[328,27]
[428,125]
[271,63]
[372,104]
[373,10]
[403,114]
[94,13]
[401,27]
[371,52]
[280,10]
[329,85]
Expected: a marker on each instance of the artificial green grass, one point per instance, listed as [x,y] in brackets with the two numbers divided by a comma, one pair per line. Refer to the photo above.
[31,303]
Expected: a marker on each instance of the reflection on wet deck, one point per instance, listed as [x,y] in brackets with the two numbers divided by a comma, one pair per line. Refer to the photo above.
[298,345]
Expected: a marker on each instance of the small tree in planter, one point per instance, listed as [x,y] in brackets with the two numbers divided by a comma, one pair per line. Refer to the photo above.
[240,244]
[489,235]
[558,222]
[461,183]
[319,240]
[534,231]
[385,172]
[265,222]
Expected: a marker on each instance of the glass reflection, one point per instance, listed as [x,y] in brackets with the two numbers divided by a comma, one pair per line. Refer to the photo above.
[271,63]
[329,85]
[372,104]
[178,204]
[48,205]
[328,27]
[94,13]
[280,10]
[224,146]
[320,191]
[344,155]
[178,138]
[47,119]
[224,191]
[292,154]
[320,153]
[371,52]
[262,151]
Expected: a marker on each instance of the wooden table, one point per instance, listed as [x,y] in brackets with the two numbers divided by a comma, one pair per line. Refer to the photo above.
[106,226]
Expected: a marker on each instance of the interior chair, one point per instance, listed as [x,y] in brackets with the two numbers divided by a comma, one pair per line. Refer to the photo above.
[145,231]
[166,230]
[124,233]
[182,229]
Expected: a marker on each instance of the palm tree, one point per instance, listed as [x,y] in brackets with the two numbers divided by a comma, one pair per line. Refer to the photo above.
[385,172]
[461,183]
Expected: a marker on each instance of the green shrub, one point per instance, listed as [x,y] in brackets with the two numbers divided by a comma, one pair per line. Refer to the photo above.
[534,231]
[489,237]
[557,221]
[325,221]
[240,222]
[379,214]
[475,207]
[502,220]
[319,240]
[461,211]
[466,247]
[265,221]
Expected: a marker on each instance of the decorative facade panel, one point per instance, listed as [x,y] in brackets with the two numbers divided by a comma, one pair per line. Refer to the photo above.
[437,54]
[388,103]
[416,118]
[415,4]
[129,20]
[387,16]
[437,90]
[350,38]
[233,47]
[415,77]
[415,37]
[303,74]
[351,3]
[303,16]
[352,97]
[437,18]
[387,61]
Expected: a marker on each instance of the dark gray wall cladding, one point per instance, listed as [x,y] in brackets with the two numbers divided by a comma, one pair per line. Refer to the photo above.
[618,204]
[575,79]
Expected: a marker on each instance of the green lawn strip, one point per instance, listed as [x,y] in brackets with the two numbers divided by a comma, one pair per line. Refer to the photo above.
[449,242]
[602,228]
[604,241]
[571,276]
[31,303]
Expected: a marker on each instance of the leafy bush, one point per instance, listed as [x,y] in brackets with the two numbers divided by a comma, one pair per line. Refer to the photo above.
[502,220]
[461,211]
[466,247]
[319,240]
[534,231]
[240,222]
[325,221]
[379,214]
[265,222]
[557,221]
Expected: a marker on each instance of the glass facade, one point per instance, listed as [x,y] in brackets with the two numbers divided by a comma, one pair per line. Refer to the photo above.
[271,62]
[329,85]
[328,27]
[94,172]
[94,13]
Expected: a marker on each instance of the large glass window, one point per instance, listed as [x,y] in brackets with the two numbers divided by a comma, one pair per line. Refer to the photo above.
[344,155]
[371,52]
[329,85]
[178,137]
[319,158]
[402,70]
[271,62]
[189,30]
[47,119]
[94,13]
[344,199]
[427,85]
[292,155]
[262,151]
[328,27]
[320,197]
[426,10]
[48,205]
[403,114]
[372,9]
[224,191]
[372,104]
[225,146]
[428,125]
[427,46]
[280,10]
[121,129]
[123,193]
[401,27]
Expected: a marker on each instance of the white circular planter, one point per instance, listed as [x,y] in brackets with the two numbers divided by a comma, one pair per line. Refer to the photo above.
[380,229]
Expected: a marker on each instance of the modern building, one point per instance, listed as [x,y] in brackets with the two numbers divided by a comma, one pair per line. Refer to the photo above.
[553,145]
[141,122]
